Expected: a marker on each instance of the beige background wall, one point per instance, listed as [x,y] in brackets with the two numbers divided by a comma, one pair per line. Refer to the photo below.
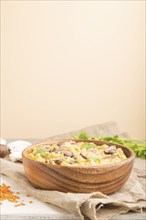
[66,65]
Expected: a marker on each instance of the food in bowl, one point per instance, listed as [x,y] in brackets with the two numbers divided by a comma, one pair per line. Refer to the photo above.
[105,178]
[72,153]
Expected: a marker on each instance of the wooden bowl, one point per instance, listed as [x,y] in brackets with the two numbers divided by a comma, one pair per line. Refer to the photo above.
[104,178]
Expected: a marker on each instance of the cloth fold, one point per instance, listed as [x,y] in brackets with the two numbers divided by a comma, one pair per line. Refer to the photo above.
[105,129]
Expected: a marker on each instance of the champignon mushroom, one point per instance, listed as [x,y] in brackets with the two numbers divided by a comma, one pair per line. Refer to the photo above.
[110,150]
[4,151]
[67,153]
[48,149]
[83,156]
[58,161]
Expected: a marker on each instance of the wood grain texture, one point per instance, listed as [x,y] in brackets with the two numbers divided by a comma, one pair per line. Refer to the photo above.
[104,178]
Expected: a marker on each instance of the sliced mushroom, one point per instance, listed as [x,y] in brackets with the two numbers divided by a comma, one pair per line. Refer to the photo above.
[58,161]
[110,150]
[83,156]
[67,153]
[73,162]
[48,149]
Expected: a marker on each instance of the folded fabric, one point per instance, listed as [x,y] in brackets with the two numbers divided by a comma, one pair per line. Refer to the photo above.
[105,129]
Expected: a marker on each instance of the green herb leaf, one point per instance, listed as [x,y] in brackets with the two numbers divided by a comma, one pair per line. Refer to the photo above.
[95,158]
[89,145]
[41,151]
[82,135]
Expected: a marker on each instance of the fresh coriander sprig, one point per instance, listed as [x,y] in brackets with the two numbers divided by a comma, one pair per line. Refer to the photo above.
[138,146]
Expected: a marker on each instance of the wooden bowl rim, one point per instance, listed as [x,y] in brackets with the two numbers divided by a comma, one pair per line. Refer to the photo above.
[130,158]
